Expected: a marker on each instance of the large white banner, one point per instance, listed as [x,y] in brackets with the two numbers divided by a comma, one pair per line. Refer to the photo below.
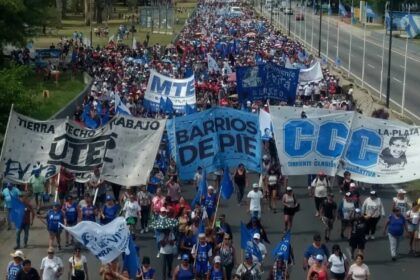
[164,92]
[311,74]
[106,242]
[125,148]
[373,150]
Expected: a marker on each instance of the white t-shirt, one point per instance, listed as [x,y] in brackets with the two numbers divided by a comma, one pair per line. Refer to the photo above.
[255,197]
[51,267]
[359,272]
[320,187]
[337,263]
[132,209]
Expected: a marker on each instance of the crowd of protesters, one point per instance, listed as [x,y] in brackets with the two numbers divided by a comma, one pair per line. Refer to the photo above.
[210,254]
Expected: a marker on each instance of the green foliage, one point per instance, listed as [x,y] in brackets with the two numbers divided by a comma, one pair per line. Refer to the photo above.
[13,91]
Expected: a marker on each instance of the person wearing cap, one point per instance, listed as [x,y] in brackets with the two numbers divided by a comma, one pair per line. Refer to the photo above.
[289,208]
[328,213]
[15,265]
[202,253]
[210,202]
[37,184]
[358,230]
[355,194]
[318,267]
[184,270]
[145,200]
[70,216]
[319,190]
[132,212]
[257,248]
[255,196]
[395,227]
[109,211]
[51,266]
[146,270]
[78,268]
[400,201]
[27,272]
[372,210]
[240,180]
[313,250]
[54,217]
[345,213]
[216,271]
[249,269]
[7,193]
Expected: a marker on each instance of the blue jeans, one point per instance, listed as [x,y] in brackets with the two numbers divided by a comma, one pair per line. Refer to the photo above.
[25,229]
[256,214]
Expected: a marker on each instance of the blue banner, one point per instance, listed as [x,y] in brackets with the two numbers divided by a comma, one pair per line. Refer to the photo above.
[267,81]
[214,139]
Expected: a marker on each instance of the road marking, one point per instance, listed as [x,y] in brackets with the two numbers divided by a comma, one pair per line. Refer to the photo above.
[371,66]
[397,80]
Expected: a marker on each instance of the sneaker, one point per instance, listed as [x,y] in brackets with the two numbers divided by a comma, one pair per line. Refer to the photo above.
[372,237]
[142,231]
[158,255]
[147,229]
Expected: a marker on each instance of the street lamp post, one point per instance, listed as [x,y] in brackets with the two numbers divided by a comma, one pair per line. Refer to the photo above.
[388,79]
[320,27]
[290,14]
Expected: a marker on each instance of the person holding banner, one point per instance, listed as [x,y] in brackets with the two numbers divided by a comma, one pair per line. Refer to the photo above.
[110,211]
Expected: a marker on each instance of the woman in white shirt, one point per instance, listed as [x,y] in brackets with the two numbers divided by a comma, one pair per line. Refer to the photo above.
[412,216]
[337,263]
[372,209]
[78,266]
[132,211]
[358,270]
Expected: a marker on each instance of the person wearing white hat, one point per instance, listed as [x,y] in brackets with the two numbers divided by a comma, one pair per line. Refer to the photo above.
[372,210]
[258,249]
[210,203]
[400,201]
[217,272]
[290,205]
[15,265]
[51,266]
[202,253]
[319,267]
[346,211]
[255,196]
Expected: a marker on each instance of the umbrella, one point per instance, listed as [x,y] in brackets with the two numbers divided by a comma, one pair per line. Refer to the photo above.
[250,34]
[164,223]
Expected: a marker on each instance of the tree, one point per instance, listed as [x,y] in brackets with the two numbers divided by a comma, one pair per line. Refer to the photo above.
[18,19]
[13,91]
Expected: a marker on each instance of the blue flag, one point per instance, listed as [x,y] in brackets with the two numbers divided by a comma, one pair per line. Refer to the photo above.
[189,109]
[202,189]
[227,185]
[120,107]
[162,104]
[131,261]
[169,106]
[245,236]
[17,212]
[283,248]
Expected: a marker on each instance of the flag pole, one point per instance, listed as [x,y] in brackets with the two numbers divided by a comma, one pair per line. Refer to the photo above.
[217,206]
[58,183]
[7,129]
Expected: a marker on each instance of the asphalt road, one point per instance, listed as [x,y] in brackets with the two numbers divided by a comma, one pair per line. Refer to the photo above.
[306,224]
[373,55]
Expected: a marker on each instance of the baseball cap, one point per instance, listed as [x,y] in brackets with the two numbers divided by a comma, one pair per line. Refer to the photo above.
[348,194]
[401,191]
[217,259]
[210,188]
[108,197]
[185,257]
[255,186]
[373,192]
[201,235]
[256,236]
[50,250]
[289,188]
[357,210]
[248,256]
[319,257]
[163,209]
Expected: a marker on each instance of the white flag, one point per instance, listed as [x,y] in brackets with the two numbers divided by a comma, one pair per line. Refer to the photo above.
[106,242]
[212,64]
[111,38]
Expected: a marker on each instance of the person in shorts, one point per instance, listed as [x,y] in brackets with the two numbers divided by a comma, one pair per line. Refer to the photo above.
[37,184]
[328,212]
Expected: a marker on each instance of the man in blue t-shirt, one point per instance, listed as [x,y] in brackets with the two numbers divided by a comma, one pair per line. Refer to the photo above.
[316,248]
[8,192]
[395,227]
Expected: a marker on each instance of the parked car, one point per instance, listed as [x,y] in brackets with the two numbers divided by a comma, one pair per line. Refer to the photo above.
[299,16]
[288,11]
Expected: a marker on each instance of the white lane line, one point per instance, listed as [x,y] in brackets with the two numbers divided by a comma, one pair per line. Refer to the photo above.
[371,66]
[397,80]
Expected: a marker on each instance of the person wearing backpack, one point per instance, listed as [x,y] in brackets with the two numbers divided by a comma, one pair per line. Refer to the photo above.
[248,270]
[319,190]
